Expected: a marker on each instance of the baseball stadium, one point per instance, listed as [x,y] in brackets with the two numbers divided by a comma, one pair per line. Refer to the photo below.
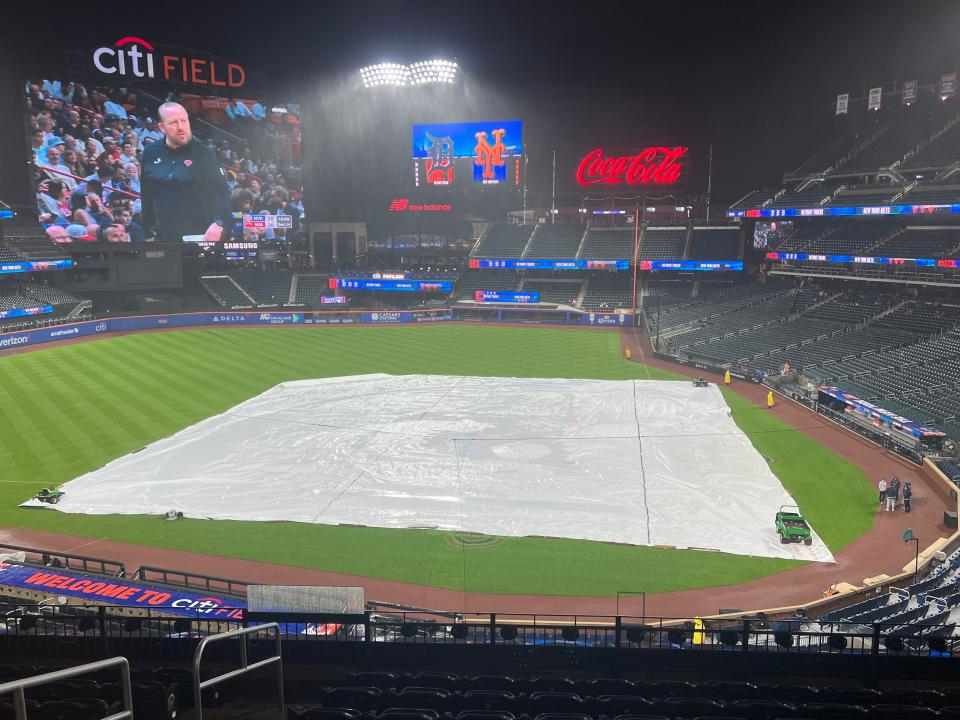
[537,418]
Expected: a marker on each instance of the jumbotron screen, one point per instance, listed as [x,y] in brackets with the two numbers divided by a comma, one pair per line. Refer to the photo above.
[465,153]
[111,163]
[771,234]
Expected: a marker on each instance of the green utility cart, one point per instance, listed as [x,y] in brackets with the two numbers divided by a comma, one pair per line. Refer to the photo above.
[791,527]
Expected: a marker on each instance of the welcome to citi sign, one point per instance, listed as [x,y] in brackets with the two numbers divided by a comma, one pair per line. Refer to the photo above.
[492,148]
[134,58]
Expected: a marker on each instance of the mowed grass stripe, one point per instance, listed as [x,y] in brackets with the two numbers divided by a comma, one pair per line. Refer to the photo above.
[65,423]
[105,400]
[189,378]
[46,441]
[193,374]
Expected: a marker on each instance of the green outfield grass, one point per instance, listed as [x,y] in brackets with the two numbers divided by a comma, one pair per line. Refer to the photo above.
[69,409]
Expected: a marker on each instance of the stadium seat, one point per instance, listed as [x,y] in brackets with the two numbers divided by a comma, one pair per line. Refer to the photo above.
[323,713]
[362,698]
[830,711]
[622,705]
[550,684]
[407,714]
[443,681]
[563,716]
[539,703]
[382,680]
[792,693]
[668,689]
[731,690]
[900,712]
[849,695]
[760,709]
[689,707]
[419,697]
[7,712]
[484,715]
[487,700]
[492,682]
[605,686]
[79,709]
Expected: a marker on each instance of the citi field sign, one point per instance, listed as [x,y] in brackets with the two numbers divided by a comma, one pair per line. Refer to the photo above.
[134,57]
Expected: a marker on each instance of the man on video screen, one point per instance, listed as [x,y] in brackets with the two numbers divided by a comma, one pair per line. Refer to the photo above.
[184,187]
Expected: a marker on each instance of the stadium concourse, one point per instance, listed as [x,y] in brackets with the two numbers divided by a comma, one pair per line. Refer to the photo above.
[878,552]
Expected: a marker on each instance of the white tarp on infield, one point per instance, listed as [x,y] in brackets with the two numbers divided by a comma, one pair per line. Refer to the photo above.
[637,462]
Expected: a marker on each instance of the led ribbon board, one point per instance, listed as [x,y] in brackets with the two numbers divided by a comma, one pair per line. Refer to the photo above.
[506,297]
[852,210]
[391,285]
[509,263]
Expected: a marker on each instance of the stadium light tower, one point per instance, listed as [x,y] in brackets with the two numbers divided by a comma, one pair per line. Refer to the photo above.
[424,72]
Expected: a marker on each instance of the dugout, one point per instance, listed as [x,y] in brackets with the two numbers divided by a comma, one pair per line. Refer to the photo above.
[879,420]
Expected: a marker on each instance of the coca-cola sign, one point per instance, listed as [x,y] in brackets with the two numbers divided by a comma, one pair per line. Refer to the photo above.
[656,164]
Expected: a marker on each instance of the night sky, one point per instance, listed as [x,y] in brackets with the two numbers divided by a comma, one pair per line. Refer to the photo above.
[754,80]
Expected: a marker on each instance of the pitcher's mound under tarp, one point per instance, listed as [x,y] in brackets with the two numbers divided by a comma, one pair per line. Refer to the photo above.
[635,462]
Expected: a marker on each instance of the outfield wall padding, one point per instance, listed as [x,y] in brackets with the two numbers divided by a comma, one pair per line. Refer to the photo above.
[106,326]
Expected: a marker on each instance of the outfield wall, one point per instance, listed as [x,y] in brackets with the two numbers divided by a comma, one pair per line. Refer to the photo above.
[106,326]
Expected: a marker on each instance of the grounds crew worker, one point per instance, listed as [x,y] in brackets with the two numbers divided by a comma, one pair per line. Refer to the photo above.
[769,399]
[184,188]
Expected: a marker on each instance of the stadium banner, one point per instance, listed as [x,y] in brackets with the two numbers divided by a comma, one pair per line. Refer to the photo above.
[501,296]
[617,319]
[909,92]
[510,263]
[21,312]
[119,591]
[386,317]
[843,101]
[948,85]
[422,316]
[874,98]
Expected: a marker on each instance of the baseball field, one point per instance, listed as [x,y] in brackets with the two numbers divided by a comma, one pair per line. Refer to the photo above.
[69,409]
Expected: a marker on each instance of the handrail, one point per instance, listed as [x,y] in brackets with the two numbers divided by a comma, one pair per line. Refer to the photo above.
[244,668]
[18,686]
[234,587]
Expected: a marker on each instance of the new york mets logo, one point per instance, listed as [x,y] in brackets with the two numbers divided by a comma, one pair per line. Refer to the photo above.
[489,157]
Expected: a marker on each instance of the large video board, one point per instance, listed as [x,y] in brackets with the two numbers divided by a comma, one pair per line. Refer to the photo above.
[487,153]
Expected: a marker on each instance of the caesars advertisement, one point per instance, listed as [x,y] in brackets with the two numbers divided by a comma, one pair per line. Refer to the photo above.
[161,145]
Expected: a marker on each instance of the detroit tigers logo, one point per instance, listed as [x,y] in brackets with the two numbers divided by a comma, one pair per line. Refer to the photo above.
[440,162]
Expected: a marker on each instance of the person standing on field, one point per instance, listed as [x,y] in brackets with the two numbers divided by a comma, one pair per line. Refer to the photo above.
[891,497]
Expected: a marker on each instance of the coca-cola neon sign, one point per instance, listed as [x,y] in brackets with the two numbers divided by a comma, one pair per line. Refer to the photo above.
[654,165]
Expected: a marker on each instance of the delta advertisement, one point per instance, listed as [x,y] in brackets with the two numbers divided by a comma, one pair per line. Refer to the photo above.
[117,591]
